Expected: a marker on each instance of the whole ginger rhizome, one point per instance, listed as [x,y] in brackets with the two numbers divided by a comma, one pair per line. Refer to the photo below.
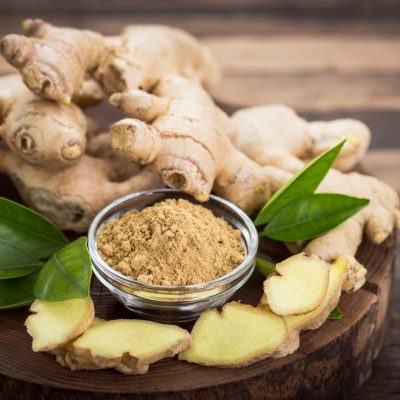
[174,242]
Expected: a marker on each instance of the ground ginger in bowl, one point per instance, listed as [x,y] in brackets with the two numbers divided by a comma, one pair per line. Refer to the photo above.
[167,257]
[171,243]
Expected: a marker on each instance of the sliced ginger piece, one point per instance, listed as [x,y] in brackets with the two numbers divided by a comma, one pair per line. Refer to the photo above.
[298,286]
[55,323]
[64,357]
[315,318]
[129,346]
[238,336]
[345,274]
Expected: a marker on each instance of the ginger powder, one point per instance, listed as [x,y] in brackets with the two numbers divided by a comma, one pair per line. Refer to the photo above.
[173,242]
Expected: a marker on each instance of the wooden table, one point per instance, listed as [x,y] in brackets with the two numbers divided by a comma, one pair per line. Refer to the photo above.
[327,67]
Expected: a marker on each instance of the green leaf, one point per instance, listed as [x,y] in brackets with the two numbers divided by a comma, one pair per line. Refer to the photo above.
[311,216]
[264,267]
[15,262]
[67,274]
[28,230]
[336,314]
[17,292]
[303,183]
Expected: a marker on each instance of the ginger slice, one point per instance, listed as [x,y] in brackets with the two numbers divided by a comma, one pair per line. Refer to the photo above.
[238,336]
[64,357]
[298,286]
[315,318]
[345,274]
[55,323]
[129,346]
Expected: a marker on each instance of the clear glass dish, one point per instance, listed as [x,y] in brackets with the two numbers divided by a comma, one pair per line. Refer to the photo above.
[173,303]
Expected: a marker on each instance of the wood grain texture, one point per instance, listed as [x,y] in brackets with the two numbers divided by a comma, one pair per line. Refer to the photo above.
[343,6]
[385,164]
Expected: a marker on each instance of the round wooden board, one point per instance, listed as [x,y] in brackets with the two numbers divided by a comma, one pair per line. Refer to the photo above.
[331,362]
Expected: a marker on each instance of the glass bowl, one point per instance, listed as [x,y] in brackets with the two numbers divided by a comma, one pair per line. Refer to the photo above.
[173,303]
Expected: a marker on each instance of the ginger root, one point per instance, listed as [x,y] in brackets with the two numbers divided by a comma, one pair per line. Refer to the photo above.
[54,61]
[129,346]
[179,130]
[238,336]
[298,286]
[71,197]
[276,135]
[147,53]
[345,274]
[55,323]
[377,219]
[40,131]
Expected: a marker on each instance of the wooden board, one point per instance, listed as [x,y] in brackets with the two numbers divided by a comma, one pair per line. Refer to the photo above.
[331,361]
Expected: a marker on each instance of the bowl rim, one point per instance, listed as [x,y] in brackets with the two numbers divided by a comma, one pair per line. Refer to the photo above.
[251,245]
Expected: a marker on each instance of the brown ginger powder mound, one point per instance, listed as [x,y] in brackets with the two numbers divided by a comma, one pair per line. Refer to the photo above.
[173,242]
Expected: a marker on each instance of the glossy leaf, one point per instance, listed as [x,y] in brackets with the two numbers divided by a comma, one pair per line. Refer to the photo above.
[17,292]
[28,230]
[14,262]
[311,216]
[67,274]
[303,183]
[336,314]
[265,267]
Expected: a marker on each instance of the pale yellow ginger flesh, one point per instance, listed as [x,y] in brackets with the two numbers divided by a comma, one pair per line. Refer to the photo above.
[298,286]
[345,274]
[55,323]
[129,346]
[238,336]
[64,357]
[275,135]
[179,130]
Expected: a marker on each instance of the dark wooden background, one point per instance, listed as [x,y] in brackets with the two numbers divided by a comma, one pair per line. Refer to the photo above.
[325,58]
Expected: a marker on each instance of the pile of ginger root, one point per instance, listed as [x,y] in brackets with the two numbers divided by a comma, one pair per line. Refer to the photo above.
[172,134]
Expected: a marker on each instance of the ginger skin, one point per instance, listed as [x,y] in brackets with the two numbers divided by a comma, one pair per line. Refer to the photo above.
[71,197]
[276,135]
[54,61]
[266,125]
[40,131]
[377,220]
[179,130]
[147,53]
